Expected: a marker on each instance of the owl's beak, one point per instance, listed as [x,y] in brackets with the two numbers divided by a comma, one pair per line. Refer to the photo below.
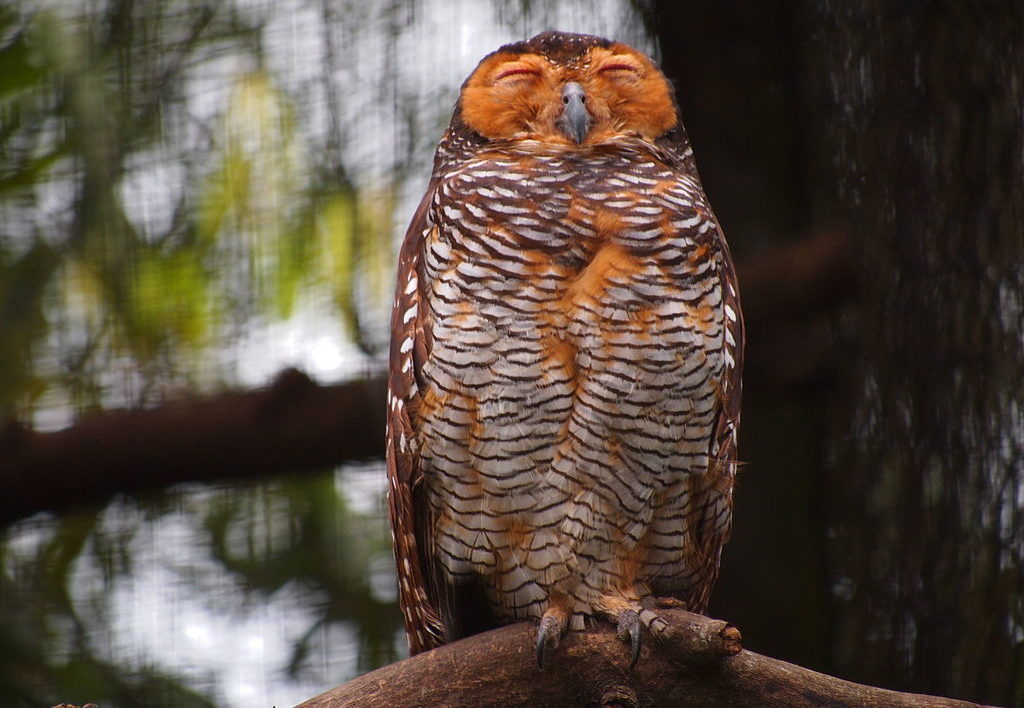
[575,120]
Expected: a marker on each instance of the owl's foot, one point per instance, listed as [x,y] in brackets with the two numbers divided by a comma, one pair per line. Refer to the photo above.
[629,618]
[655,624]
[552,626]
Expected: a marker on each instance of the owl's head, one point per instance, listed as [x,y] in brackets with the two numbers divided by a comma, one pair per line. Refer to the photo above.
[567,89]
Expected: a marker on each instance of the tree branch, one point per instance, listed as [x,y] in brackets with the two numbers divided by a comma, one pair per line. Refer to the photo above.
[700,663]
[293,424]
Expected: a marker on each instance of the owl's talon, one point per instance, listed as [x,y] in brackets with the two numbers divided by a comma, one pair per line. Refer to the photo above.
[542,646]
[548,635]
[629,627]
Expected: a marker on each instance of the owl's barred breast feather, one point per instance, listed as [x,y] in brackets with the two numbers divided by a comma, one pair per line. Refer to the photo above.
[564,394]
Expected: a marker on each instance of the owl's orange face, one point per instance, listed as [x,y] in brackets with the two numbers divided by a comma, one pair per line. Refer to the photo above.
[605,92]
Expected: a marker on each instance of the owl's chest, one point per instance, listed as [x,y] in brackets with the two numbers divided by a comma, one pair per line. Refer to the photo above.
[559,293]
[570,244]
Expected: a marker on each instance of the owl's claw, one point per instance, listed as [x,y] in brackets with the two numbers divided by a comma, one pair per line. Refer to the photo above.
[542,646]
[629,627]
[548,635]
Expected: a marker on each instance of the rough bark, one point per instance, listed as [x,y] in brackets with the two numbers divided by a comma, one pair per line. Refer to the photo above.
[700,663]
[292,425]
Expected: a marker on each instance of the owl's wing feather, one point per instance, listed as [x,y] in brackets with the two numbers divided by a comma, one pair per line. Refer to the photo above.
[715,524]
[435,610]
[410,347]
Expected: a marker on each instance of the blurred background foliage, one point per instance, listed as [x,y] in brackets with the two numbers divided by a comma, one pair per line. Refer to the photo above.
[163,189]
[196,194]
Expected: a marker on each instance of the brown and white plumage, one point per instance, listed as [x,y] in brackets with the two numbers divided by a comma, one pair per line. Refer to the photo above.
[566,355]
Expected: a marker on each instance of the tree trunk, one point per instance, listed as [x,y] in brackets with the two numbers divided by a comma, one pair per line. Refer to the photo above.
[925,138]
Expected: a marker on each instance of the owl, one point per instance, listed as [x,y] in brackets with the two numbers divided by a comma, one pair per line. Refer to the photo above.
[566,353]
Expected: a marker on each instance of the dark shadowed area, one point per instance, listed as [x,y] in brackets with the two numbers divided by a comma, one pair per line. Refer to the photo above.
[199,207]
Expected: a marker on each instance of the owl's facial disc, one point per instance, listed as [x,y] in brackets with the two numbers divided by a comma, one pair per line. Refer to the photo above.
[575,120]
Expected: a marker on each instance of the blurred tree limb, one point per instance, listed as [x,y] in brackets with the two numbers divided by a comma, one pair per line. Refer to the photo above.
[293,424]
[699,663]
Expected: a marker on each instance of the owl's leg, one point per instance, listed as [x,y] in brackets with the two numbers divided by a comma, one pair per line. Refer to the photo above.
[628,625]
[552,626]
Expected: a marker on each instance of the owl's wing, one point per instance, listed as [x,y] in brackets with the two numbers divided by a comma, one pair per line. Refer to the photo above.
[410,346]
[715,522]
